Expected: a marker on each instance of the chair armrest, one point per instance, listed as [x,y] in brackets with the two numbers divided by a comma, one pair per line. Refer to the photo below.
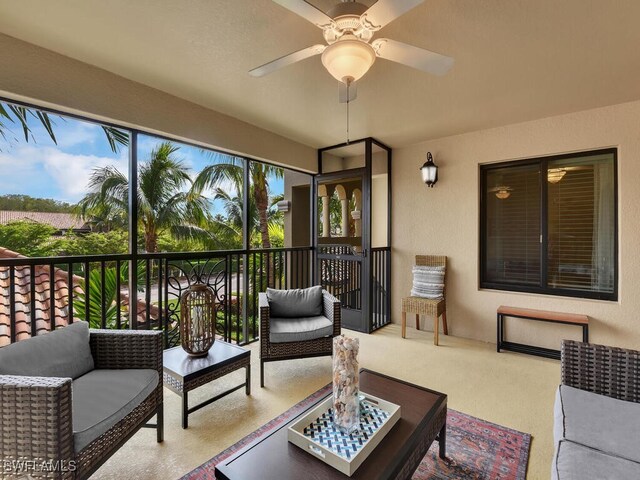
[265,313]
[35,414]
[333,311]
[121,349]
[609,371]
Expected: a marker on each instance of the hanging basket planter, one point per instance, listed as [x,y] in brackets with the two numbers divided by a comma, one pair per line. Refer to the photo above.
[197,320]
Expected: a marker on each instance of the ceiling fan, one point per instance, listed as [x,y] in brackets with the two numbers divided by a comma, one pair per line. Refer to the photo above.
[348,29]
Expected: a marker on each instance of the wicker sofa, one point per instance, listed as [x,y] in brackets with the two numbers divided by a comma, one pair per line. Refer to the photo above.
[70,398]
[301,333]
[597,413]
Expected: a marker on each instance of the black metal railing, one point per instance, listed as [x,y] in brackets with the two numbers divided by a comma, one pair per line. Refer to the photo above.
[380,287]
[40,294]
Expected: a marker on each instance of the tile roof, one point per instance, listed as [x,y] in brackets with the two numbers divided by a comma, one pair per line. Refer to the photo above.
[61,221]
[42,310]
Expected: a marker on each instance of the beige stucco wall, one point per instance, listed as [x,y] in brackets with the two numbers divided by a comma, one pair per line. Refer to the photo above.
[445,220]
[33,74]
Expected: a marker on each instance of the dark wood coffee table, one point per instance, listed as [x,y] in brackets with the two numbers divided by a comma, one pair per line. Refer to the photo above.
[183,373]
[423,420]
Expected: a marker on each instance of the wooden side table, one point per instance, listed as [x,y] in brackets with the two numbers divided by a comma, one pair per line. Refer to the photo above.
[183,373]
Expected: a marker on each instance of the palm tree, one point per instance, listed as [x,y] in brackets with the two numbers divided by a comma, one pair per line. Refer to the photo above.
[166,201]
[228,228]
[231,169]
[10,112]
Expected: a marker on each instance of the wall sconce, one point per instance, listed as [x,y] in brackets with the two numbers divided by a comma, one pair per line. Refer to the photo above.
[283,205]
[429,171]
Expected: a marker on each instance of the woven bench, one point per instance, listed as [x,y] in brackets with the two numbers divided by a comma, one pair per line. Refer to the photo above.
[542,316]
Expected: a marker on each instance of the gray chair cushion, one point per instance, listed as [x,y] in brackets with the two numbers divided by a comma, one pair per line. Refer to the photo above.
[283,330]
[65,353]
[577,462]
[306,302]
[101,398]
[597,421]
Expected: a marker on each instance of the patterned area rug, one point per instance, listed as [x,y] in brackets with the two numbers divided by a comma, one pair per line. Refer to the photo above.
[476,449]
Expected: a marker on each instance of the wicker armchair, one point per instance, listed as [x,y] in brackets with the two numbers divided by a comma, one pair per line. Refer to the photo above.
[426,306]
[597,413]
[271,352]
[36,412]
[610,371]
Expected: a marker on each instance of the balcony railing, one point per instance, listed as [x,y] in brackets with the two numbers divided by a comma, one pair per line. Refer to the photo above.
[41,294]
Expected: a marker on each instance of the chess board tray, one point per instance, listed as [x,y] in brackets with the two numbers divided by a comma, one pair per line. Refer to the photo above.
[315,433]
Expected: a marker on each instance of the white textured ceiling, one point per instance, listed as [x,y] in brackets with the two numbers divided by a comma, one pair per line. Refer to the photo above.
[516,60]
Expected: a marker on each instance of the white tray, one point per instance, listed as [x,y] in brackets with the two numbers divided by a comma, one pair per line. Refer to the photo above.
[315,433]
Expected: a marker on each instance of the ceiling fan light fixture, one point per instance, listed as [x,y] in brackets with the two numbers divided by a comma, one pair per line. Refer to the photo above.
[503,194]
[554,175]
[348,59]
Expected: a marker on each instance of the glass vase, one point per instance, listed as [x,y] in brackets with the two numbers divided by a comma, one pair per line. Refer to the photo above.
[346,384]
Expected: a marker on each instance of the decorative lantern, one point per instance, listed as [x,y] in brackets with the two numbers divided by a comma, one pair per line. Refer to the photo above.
[197,320]
[429,171]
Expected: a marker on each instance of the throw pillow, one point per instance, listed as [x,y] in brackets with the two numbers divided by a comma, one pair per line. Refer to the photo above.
[428,282]
[306,302]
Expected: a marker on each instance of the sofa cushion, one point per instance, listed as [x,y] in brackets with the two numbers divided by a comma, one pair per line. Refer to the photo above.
[603,423]
[578,462]
[64,352]
[101,398]
[305,302]
[283,330]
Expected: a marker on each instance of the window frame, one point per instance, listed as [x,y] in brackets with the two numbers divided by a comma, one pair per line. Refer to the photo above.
[543,287]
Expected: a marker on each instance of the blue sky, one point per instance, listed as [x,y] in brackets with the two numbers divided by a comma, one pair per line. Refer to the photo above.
[43,169]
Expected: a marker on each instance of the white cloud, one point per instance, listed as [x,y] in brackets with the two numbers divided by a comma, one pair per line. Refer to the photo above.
[70,134]
[64,175]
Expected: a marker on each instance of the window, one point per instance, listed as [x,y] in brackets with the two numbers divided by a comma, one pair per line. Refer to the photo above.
[557,236]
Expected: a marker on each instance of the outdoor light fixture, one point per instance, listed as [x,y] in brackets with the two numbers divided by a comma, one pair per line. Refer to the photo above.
[348,59]
[429,171]
[554,175]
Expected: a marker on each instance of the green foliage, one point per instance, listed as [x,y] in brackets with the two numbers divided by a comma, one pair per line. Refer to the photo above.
[166,203]
[25,203]
[12,115]
[113,242]
[261,211]
[28,238]
[276,234]
[95,299]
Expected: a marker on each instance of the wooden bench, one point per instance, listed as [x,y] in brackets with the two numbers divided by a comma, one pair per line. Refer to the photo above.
[542,316]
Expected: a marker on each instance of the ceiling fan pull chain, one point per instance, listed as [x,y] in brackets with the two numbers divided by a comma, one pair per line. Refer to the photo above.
[348,101]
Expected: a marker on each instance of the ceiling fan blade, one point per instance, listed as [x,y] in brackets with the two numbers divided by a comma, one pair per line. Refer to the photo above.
[308,12]
[419,58]
[281,62]
[385,11]
[345,93]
